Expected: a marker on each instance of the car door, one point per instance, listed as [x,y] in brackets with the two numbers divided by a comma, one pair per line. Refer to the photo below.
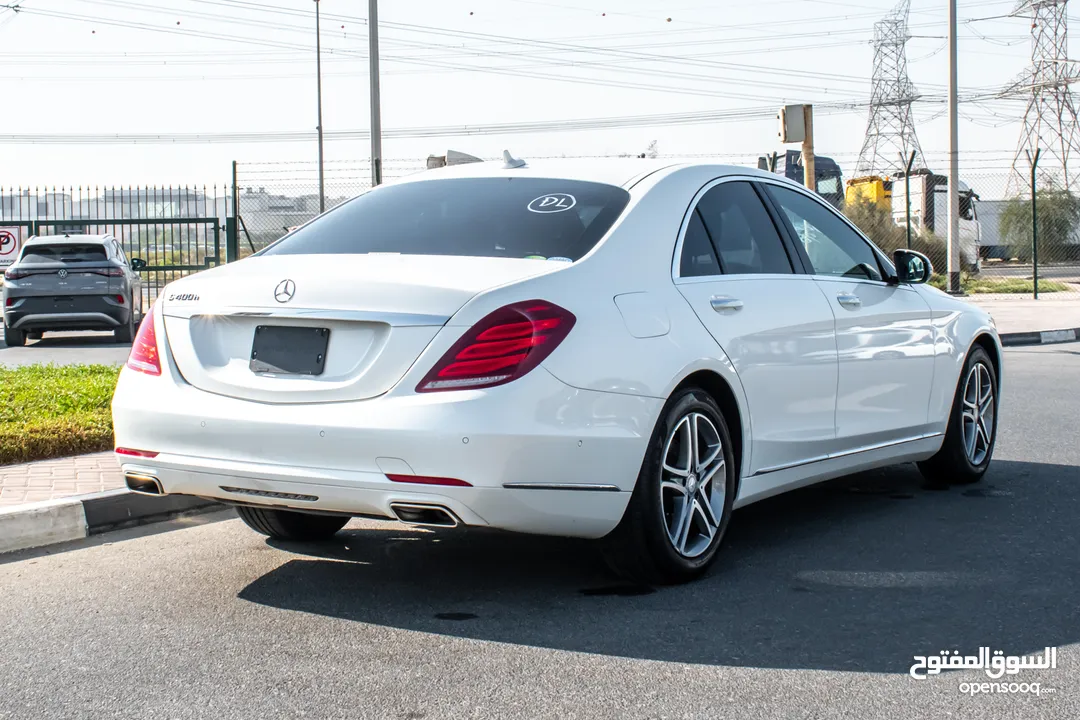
[884,333]
[737,271]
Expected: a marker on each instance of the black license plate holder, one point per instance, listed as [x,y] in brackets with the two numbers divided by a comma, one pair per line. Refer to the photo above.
[287,350]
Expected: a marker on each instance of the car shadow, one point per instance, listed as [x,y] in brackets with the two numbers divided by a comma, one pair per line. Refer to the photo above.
[857,574]
[87,339]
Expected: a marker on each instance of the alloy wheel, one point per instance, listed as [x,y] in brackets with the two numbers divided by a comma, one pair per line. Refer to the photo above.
[978,414]
[693,484]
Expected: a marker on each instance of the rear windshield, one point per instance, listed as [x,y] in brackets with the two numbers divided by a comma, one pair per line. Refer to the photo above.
[66,252]
[481,217]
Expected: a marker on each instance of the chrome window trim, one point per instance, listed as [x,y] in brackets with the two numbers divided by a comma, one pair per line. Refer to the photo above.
[676,261]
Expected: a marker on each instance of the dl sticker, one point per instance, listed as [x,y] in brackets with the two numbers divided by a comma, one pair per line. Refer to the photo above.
[552,203]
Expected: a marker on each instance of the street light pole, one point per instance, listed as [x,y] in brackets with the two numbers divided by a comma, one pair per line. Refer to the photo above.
[318,95]
[376,109]
[953,238]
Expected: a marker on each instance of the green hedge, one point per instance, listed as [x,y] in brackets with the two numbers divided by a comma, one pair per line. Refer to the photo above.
[49,411]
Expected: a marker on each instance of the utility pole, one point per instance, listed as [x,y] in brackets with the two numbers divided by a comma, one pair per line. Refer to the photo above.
[953,238]
[1034,161]
[318,96]
[376,110]
[809,178]
[907,162]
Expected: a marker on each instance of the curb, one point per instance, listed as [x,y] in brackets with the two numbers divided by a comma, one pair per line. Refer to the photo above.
[54,521]
[1046,337]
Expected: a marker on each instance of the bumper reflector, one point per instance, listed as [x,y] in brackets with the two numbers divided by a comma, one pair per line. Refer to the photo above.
[425,480]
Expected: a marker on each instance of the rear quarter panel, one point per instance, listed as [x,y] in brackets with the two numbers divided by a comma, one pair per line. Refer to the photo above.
[602,352]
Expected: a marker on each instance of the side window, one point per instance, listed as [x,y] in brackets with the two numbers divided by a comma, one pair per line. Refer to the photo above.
[832,246]
[698,257]
[122,254]
[742,230]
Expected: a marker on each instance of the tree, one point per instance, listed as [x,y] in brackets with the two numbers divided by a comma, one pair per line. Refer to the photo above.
[876,222]
[651,151]
[1058,216]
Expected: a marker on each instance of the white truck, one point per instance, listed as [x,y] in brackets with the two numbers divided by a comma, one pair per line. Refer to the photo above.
[930,212]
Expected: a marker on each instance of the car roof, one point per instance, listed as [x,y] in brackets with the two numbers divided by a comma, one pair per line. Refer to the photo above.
[622,172]
[66,239]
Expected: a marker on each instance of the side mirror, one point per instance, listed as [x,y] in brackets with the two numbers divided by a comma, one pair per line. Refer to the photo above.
[912,267]
[138,264]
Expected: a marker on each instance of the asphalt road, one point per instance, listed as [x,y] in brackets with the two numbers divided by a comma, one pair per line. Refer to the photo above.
[68,348]
[818,604]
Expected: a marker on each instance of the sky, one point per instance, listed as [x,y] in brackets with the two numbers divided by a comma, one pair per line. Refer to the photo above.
[76,68]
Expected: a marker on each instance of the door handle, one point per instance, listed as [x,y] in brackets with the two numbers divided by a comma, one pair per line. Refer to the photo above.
[724,303]
[848,300]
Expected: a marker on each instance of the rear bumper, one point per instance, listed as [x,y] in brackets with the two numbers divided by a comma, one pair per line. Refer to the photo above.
[579,452]
[588,514]
[76,312]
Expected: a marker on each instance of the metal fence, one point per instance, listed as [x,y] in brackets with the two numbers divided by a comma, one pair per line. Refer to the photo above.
[177,230]
[1003,245]
[273,197]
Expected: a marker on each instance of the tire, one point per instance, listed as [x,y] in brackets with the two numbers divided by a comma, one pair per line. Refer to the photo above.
[643,548]
[290,525]
[13,337]
[955,463]
[126,334]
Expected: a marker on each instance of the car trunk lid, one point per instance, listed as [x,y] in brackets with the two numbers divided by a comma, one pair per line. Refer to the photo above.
[369,316]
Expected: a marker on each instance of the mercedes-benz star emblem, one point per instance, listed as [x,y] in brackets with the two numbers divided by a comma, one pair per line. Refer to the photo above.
[285,290]
[62,273]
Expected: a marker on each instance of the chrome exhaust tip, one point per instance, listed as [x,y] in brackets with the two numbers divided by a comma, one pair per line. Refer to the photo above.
[143,484]
[424,515]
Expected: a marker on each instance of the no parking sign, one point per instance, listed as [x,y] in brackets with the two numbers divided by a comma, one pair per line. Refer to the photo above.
[9,244]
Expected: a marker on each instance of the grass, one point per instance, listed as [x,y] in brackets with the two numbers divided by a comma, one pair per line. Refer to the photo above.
[980,285]
[49,411]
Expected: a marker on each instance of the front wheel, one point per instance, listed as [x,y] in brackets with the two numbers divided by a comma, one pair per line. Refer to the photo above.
[971,433]
[681,504]
[290,525]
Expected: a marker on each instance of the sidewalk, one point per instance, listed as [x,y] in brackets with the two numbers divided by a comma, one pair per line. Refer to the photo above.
[54,479]
[1023,314]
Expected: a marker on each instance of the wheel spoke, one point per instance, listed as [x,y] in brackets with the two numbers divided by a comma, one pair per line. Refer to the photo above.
[985,432]
[695,443]
[984,397]
[681,431]
[678,472]
[969,416]
[685,521]
[969,439]
[703,483]
[673,486]
[707,514]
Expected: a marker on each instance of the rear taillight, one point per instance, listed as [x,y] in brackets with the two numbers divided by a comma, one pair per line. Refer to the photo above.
[13,274]
[109,272]
[10,302]
[502,347]
[144,351]
[120,299]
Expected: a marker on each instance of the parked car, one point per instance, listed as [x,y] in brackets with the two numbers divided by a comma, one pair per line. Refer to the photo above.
[622,350]
[71,282]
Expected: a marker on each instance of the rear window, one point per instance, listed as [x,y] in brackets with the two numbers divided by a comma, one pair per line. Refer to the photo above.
[65,252]
[481,217]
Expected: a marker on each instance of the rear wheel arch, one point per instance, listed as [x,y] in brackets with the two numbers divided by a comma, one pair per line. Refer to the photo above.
[724,395]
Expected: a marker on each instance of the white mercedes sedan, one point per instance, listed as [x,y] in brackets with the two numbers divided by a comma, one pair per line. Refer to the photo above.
[621,350]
